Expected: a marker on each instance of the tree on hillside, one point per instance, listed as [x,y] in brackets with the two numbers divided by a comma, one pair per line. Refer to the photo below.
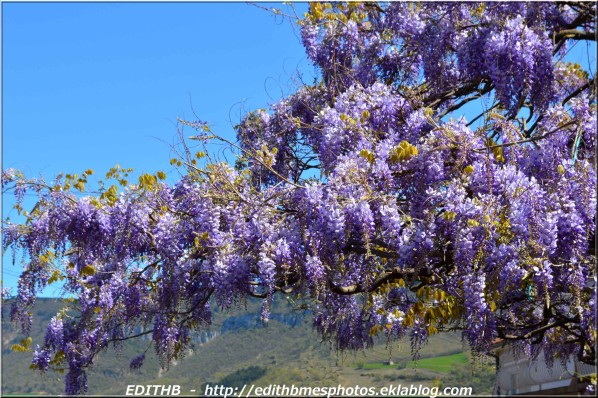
[366,196]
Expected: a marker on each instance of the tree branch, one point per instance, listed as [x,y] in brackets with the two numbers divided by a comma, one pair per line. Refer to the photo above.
[575,34]
[388,275]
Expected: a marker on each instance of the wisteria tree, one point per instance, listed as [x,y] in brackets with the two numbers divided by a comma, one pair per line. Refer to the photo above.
[371,197]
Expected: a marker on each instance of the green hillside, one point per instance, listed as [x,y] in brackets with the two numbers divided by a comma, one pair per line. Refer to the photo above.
[241,351]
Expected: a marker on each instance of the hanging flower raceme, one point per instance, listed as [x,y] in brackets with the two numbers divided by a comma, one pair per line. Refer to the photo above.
[371,195]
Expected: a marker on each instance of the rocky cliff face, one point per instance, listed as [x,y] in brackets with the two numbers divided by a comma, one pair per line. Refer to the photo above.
[250,321]
[246,321]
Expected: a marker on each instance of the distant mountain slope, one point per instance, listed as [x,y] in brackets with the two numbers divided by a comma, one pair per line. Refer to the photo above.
[238,349]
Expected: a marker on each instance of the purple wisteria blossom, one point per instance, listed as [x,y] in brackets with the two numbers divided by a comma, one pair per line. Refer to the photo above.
[371,194]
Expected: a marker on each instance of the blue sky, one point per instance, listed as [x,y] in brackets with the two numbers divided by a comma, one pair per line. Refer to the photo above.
[90,85]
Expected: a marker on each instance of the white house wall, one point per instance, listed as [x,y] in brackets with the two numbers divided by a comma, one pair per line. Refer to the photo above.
[519,375]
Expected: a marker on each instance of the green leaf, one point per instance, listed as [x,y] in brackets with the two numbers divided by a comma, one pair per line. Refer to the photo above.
[367,155]
[561,169]
[88,270]
[403,152]
[161,175]
[56,275]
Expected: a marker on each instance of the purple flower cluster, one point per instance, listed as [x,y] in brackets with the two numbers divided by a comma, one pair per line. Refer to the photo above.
[366,193]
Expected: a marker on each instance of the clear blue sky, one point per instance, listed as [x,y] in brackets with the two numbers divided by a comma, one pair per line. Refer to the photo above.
[90,85]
